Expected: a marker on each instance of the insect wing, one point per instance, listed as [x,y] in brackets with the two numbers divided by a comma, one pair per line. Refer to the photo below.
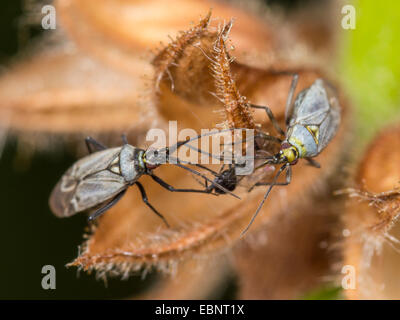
[330,124]
[87,183]
[311,105]
[317,109]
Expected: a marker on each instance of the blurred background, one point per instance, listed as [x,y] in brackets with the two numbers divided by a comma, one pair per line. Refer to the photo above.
[31,237]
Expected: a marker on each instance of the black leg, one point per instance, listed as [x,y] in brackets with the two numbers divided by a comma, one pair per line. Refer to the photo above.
[288,180]
[208,169]
[205,184]
[146,201]
[214,183]
[289,104]
[218,178]
[108,206]
[223,167]
[313,163]
[285,166]
[90,142]
[172,189]
[265,136]
[271,117]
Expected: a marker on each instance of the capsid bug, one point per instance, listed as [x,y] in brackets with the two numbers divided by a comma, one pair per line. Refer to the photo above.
[100,179]
[311,123]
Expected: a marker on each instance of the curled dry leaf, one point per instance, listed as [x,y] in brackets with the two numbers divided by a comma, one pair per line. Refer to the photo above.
[130,237]
[372,243]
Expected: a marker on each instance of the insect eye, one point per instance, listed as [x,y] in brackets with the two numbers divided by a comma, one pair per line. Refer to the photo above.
[291,154]
[295,153]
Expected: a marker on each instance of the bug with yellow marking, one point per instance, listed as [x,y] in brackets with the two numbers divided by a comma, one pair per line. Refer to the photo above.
[99,180]
[311,123]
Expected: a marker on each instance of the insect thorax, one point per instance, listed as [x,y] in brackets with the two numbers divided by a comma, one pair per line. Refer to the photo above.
[131,163]
[304,139]
[289,153]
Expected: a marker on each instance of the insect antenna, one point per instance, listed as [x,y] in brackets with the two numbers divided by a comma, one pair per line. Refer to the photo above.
[174,147]
[220,158]
[285,166]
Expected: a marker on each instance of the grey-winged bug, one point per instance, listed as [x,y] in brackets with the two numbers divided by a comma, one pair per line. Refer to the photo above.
[311,123]
[99,180]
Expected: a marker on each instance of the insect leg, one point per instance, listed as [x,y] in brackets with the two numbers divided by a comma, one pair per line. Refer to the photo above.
[124,139]
[208,169]
[289,105]
[216,174]
[217,185]
[91,142]
[110,204]
[288,180]
[146,201]
[172,189]
[313,163]
[265,197]
[271,117]
[265,136]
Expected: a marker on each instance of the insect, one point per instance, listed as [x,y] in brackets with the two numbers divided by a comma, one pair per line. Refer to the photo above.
[311,123]
[100,179]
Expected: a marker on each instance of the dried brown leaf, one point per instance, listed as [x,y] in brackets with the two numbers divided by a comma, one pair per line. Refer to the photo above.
[169,55]
[133,27]
[60,92]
